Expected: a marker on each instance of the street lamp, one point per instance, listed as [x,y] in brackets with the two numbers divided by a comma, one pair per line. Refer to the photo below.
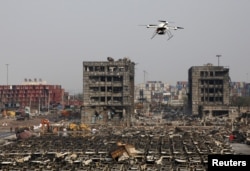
[218,56]
[247,78]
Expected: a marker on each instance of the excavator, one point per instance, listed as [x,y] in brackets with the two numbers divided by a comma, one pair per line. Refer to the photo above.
[70,114]
[8,113]
[27,132]
[45,122]
[66,113]
[78,127]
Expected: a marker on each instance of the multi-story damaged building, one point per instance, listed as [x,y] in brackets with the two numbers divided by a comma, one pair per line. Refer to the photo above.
[209,90]
[36,94]
[108,89]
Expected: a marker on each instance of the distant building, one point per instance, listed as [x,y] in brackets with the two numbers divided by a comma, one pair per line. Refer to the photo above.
[108,89]
[32,93]
[151,91]
[159,92]
[209,90]
[239,89]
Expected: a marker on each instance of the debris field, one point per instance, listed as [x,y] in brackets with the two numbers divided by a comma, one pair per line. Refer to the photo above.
[118,149]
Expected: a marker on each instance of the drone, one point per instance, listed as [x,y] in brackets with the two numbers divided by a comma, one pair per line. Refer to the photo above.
[162,28]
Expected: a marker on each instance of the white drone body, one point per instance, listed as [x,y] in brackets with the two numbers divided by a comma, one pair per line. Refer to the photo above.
[162,28]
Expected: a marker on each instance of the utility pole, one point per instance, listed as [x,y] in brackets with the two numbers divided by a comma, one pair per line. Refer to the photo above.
[48,102]
[145,72]
[144,76]
[39,106]
[218,56]
[7,65]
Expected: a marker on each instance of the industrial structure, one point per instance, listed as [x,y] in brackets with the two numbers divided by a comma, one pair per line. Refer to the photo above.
[33,93]
[209,90]
[108,90]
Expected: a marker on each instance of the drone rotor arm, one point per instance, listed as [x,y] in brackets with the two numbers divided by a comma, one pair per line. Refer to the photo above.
[152,26]
[174,28]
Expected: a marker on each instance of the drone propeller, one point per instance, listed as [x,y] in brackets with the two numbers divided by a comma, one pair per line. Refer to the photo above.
[152,25]
[179,27]
[148,25]
[164,21]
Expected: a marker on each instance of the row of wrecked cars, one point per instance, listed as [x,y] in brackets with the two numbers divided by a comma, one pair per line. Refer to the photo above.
[118,149]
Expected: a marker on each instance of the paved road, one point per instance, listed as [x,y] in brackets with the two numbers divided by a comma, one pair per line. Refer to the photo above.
[5,134]
[241,148]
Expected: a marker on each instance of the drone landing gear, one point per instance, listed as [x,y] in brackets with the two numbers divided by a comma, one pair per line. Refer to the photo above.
[155,33]
[169,35]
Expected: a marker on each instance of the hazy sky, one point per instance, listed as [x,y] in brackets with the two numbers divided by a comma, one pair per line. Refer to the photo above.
[49,39]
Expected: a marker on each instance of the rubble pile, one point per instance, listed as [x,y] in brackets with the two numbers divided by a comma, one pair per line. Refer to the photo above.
[118,149]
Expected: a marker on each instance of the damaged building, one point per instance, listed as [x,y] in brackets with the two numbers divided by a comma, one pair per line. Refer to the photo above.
[108,90]
[209,90]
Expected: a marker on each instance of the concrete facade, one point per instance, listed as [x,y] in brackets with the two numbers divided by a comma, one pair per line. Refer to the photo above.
[108,89]
[209,90]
